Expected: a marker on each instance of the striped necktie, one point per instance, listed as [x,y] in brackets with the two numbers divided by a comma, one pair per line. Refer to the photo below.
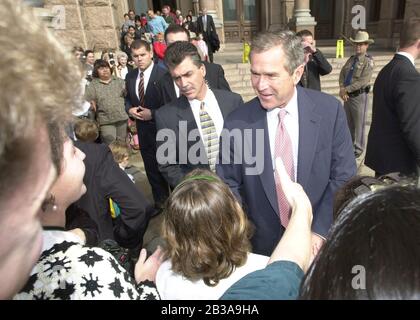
[283,149]
[210,138]
[141,89]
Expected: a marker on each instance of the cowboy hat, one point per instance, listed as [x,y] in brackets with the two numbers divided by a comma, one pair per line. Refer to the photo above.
[362,37]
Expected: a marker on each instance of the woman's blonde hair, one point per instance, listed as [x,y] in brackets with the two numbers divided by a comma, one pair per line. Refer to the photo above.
[206,231]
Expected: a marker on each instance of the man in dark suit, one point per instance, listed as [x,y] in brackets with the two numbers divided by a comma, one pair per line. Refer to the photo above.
[205,26]
[306,129]
[104,179]
[316,64]
[394,137]
[189,127]
[215,75]
[141,102]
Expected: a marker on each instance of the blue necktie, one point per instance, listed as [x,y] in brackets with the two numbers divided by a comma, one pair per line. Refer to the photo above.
[349,76]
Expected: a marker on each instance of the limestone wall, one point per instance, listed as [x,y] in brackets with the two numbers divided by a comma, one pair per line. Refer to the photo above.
[91,24]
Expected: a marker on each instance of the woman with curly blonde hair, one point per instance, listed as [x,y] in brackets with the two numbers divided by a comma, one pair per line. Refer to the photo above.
[207,236]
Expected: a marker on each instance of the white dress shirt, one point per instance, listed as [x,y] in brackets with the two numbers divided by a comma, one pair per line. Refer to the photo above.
[213,109]
[407,55]
[147,75]
[291,122]
[178,94]
[205,23]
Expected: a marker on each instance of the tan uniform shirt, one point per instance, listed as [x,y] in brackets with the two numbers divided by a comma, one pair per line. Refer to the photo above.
[362,73]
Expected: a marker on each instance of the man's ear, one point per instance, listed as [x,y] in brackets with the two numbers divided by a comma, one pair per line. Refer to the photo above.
[297,74]
[203,70]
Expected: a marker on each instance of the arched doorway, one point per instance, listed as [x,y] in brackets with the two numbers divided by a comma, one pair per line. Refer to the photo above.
[240,19]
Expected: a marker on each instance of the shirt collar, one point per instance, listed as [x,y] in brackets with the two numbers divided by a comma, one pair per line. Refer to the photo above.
[197,103]
[146,72]
[291,107]
[407,55]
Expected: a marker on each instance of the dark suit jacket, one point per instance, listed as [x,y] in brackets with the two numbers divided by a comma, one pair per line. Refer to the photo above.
[105,179]
[215,76]
[394,137]
[170,117]
[210,29]
[316,67]
[146,129]
[325,162]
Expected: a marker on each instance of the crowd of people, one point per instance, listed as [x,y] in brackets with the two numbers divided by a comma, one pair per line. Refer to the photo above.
[260,200]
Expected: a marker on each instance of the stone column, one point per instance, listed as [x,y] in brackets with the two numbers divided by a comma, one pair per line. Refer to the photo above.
[302,18]
[196,7]
[219,10]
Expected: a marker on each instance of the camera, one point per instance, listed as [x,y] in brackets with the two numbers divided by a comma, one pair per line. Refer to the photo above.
[111,59]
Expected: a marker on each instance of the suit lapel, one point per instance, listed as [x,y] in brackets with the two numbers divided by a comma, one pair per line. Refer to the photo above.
[267,176]
[170,87]
[309,126]
[133,88]
[185,113]
[224,107]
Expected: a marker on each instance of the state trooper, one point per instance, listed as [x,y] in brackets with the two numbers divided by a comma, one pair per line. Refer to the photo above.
[355,77]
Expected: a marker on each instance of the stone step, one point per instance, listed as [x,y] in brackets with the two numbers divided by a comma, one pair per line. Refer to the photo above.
[380,61]
[238,77]
[240,84]
[244,91]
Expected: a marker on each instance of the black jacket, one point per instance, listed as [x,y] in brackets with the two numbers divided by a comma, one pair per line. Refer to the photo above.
[146,129]
[394,137]
[210,32]
[104,179]
[316,67]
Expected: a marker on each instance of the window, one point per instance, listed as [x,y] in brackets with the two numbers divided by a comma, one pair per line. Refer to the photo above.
[229,10]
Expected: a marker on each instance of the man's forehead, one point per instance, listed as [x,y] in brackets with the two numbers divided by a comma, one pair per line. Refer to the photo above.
[139,50]
[187,65]
[178,36]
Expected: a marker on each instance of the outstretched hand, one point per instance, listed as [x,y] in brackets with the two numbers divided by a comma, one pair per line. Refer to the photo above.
[146,269]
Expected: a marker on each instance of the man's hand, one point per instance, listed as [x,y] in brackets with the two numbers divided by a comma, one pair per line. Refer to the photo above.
[343,94]
[310,47]
[145,114]
[147,269]
[134,113]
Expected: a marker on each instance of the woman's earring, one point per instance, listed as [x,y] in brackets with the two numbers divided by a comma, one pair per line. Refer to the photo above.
[49,202]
